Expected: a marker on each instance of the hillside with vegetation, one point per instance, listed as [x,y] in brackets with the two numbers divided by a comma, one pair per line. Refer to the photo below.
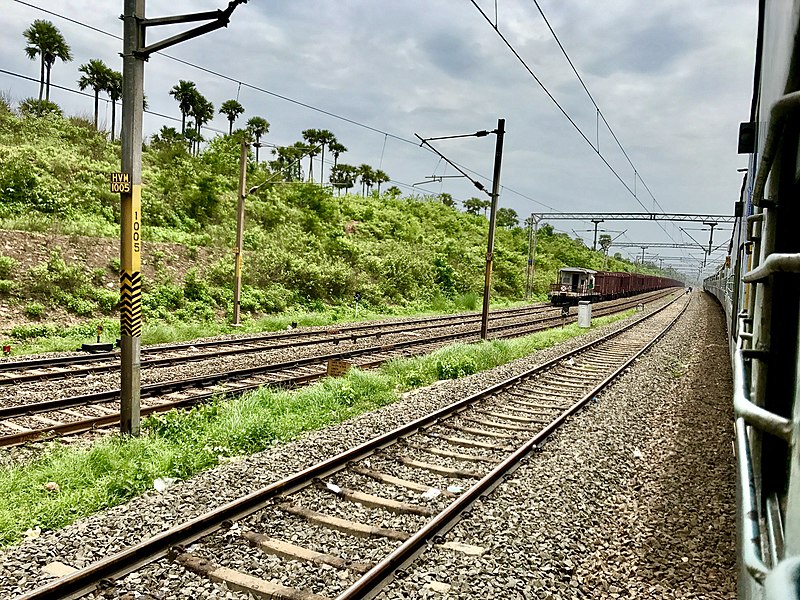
[308,247]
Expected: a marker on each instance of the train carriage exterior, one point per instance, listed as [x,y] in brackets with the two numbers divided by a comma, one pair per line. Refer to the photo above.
[758,287]
[575,284]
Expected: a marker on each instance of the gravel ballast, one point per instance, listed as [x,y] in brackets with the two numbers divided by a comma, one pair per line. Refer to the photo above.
[632,498]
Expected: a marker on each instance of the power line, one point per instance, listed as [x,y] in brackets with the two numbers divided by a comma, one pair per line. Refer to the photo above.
[564,111]
[597,108]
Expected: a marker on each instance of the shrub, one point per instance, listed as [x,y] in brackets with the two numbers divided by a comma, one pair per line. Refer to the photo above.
[453,367]
[32,107]
[7,287]
[34,310]
[7,267]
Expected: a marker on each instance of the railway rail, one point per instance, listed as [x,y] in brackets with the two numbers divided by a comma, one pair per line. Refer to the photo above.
[52,368]
[24,422]
[48,368]
[414,482]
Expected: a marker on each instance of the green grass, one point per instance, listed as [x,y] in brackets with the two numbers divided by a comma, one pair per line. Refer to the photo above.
[181,444]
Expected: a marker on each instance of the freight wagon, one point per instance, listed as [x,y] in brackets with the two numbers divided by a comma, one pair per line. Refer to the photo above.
[575,284]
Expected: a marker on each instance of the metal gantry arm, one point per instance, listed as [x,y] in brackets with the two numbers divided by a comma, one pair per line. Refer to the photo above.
[218,18]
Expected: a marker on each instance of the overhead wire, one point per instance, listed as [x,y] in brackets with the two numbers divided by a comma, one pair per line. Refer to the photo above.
[386,134]
[566,115]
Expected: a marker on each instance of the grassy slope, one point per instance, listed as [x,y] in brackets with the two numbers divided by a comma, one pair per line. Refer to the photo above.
[306,249]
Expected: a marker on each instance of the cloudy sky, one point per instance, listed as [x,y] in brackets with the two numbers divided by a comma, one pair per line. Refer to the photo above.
[672,78]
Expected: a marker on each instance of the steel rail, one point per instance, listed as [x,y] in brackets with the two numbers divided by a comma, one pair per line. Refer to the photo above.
[241,346]
[160,388]
[102,356]
[85,580]
[375,579]
[154,390]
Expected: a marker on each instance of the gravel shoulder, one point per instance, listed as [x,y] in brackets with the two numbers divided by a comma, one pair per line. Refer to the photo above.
[633,498]
[612,505]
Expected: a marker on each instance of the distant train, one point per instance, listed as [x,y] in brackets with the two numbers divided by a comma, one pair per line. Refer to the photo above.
[575,284]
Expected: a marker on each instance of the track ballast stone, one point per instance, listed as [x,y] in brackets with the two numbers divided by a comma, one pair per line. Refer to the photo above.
[633,498]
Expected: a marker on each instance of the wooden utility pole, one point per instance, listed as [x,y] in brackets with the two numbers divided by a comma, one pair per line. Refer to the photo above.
[498,158]
[237,277]
[130,276]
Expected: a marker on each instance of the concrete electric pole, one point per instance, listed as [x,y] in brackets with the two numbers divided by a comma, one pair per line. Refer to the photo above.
[134,55]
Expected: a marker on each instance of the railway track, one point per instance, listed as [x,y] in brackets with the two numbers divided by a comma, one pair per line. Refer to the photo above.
[382,502]
[50,368]
[75,414]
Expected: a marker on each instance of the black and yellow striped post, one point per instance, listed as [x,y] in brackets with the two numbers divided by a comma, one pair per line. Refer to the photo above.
[130,276]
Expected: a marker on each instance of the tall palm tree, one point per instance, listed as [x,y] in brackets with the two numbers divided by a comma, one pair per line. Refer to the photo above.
[380,177]
[325,138]
[336,149]
[367,176]
[203,112]
[114,90]
[96,75]
[44,39]
[184,92]
[312,138]
[257,126]
[231,109]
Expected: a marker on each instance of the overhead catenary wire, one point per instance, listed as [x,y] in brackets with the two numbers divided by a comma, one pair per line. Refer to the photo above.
[566,115]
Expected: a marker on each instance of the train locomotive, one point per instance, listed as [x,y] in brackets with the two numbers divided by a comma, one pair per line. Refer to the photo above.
[759,289]
[575,284]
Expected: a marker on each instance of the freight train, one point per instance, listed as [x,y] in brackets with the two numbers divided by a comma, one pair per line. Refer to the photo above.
[759,289]
[575,284]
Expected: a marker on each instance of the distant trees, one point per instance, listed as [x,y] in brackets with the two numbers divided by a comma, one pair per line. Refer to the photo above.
[379,177]
[257,127]
[96,75]
[447,199]
[507,217]
[475,205]
[287,161]
[367,177]
[343,177]
[45,40]
[231,109]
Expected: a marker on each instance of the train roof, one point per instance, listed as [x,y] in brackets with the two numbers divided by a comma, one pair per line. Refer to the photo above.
[576,270]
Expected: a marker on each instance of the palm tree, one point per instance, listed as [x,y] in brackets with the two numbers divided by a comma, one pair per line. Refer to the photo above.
[114,90]
[380,177]
[257,126]
[96,75]
[447,199]
[231,109]
[343,177]
[507,217]
[46,40]
[184,92]
[203,112]
[367,176]
[325,138]
[336,149]
[312,138]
